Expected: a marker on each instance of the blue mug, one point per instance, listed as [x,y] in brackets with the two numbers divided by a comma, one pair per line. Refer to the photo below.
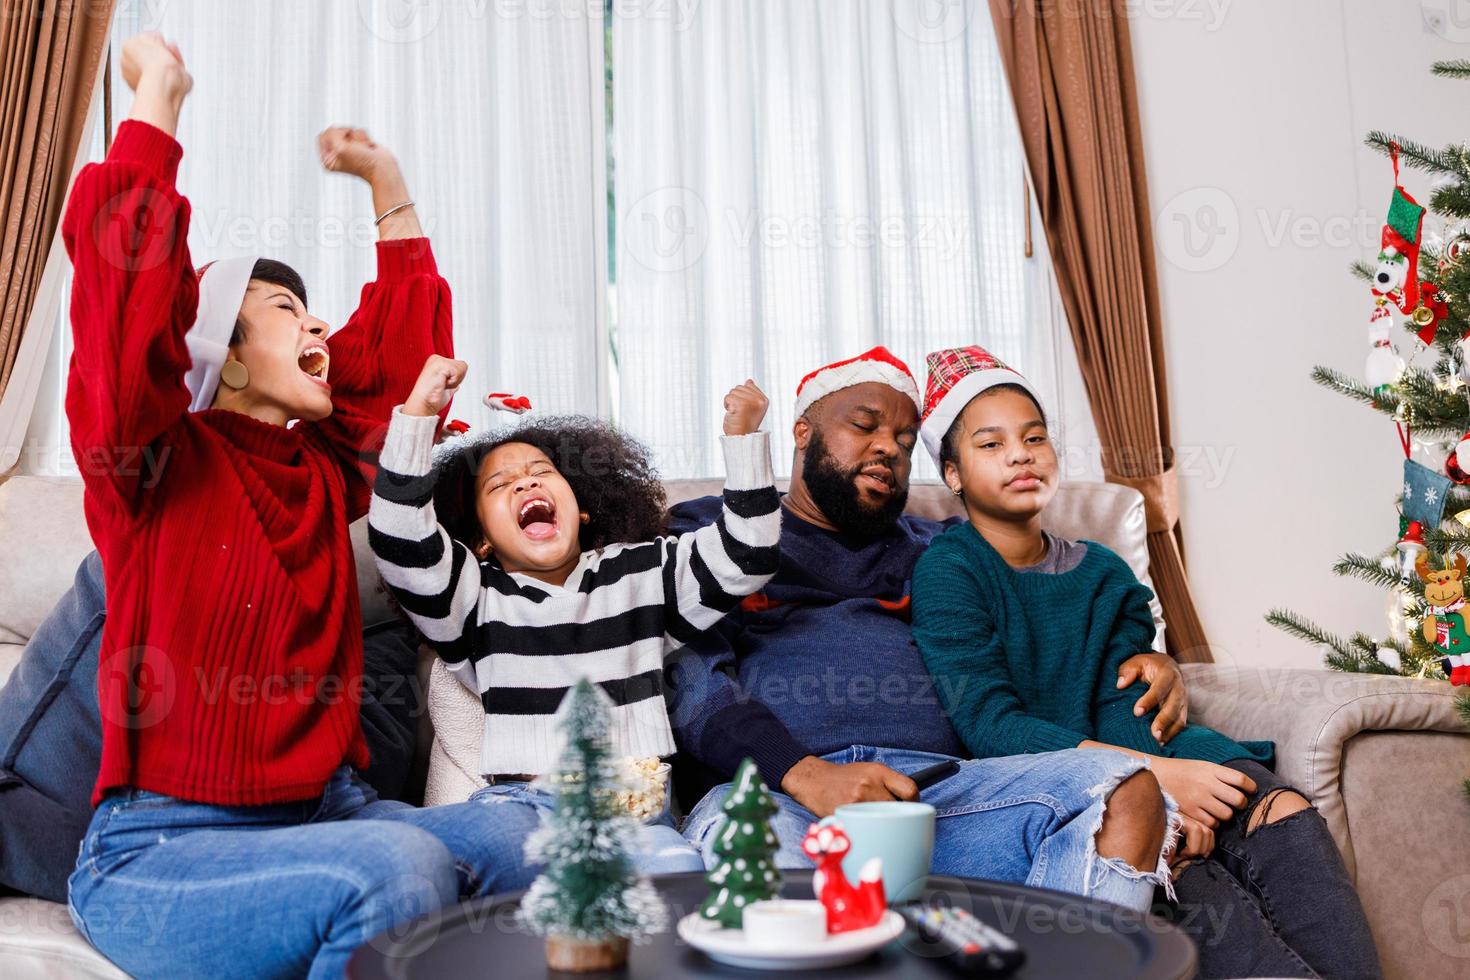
[900,833]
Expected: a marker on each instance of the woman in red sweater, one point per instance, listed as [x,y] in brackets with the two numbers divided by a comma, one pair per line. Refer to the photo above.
[232,836]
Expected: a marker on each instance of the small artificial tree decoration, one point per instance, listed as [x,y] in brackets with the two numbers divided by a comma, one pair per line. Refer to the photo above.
[746,847]
[589,902]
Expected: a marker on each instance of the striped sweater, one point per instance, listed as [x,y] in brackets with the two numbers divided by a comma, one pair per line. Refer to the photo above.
[520,643]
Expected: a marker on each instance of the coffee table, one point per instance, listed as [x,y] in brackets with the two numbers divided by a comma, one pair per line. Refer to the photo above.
[1063,935]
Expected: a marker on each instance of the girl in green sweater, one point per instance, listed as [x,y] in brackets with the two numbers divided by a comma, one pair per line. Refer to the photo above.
[1024,632]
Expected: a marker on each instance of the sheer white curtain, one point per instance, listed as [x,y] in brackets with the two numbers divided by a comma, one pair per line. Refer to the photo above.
[798,180]
[495,112]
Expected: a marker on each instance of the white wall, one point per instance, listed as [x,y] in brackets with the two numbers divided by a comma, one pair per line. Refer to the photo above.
[1254,113]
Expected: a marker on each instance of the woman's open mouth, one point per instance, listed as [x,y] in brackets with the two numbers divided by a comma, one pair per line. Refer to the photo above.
[537,518]
[314,362]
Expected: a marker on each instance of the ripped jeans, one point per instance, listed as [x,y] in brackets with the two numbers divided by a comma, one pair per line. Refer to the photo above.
[1274,901]
[1028,819]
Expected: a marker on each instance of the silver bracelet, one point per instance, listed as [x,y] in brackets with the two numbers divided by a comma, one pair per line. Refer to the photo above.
[393,210]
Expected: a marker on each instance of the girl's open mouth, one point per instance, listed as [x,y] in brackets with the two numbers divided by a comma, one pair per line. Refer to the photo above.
[314,362]
[537,518]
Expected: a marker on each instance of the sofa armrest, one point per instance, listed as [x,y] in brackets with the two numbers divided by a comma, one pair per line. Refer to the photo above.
[1311,715]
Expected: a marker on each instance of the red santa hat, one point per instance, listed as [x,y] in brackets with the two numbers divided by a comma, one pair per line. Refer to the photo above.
[878,365]
[957,376]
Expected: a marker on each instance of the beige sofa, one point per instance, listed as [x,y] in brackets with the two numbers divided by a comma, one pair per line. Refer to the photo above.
[1381,757]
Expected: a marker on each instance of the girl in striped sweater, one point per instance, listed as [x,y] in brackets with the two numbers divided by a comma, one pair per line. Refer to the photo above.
[533,558]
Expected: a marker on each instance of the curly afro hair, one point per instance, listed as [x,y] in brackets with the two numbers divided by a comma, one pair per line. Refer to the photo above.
[609,471]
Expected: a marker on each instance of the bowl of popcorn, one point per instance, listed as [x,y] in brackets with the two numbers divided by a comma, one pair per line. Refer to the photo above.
[645,791]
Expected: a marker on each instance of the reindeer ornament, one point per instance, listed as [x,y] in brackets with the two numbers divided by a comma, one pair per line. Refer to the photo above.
[1444,623]
[848,907]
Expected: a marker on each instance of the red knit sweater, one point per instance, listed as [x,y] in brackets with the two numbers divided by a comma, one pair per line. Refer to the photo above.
[231,658]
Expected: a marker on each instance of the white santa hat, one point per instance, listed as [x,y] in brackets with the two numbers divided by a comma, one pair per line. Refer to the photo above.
[877,365]
[222,286]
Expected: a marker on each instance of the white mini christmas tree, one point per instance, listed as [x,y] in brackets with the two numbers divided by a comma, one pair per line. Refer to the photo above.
[589,901]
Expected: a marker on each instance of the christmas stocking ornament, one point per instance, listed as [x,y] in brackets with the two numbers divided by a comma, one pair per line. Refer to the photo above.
[1424,494]
[1396,278]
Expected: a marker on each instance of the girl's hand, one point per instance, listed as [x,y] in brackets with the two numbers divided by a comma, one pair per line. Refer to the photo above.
[148,59]
[745,408]
[344,150]
[1195,841]
[1204,791]
[436,386]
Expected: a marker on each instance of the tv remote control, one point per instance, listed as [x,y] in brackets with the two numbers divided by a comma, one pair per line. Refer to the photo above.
[970,946]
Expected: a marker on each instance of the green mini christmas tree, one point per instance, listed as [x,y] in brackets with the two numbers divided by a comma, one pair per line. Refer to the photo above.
[1426,278]
[589,901]
[746,847]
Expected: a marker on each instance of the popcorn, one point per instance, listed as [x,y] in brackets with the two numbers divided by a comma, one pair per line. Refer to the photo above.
[647,782]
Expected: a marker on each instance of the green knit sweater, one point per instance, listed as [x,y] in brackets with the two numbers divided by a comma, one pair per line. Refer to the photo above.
[1029,662]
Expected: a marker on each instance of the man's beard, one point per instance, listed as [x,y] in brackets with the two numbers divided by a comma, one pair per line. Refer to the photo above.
[835,492]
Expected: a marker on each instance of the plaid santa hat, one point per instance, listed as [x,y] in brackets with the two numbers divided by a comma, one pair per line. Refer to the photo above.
[222,286]
[878,365]
[956,376]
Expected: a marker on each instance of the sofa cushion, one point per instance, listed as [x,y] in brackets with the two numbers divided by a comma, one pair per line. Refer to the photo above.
[39,942]
[45,537]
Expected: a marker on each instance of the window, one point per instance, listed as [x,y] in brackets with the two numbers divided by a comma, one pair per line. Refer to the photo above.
[638,212]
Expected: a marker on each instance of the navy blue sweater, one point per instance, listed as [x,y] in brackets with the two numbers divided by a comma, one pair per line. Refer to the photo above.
[821,660]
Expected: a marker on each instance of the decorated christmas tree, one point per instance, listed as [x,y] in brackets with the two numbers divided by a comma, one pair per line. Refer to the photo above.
[1416,375]
[746,847]
[589,901]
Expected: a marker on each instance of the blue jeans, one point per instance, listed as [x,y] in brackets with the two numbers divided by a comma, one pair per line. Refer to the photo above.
[1029,819]
[169,888]
[664,851]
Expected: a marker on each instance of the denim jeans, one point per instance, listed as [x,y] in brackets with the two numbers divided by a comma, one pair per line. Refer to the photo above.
[1030,819]
[1276,901]
[51,732]
[169,888]
[664,849]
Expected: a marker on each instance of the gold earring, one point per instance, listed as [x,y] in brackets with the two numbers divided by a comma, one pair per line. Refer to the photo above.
[234,375]
[958,492]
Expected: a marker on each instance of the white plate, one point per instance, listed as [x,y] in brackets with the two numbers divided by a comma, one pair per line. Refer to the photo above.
[729,946]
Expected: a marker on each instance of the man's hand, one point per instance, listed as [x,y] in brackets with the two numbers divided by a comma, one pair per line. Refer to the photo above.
[435,388]
[745,407]
[345,150]
[823,786]
[1165,691]
[154,69]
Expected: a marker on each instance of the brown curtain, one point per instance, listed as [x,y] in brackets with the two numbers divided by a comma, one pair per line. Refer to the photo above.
[49,54]
[1071,72]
